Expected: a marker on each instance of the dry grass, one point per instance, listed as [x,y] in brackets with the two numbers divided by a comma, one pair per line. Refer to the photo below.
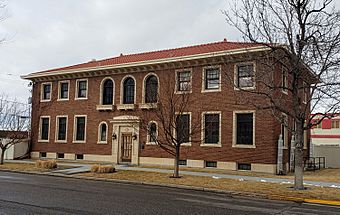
[277,191]
[20,167]
[102,169]
[46,164]
[325,175]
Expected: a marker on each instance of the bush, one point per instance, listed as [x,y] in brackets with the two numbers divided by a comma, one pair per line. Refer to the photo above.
[102,169]
[48,164]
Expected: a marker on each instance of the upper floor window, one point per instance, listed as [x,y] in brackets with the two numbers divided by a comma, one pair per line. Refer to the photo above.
[151,89]
[102,135]
[44,128]
[184,81]
[211,128]
[183,128]
[152,133]
[107,97]
[284,82]
[244,125]
[319,125]
[81,91]
[61,130]
[129,91]
[63,90]
[46,90]
[245,76]
[212,78]
[335,124]
[79,128]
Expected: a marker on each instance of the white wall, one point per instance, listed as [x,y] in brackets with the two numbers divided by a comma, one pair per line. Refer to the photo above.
[16,150]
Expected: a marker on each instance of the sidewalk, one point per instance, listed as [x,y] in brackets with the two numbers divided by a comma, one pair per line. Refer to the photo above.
[82,167]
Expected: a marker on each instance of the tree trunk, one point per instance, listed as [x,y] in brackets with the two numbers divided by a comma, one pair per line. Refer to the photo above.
[298,179]
[2,156]
[176,164]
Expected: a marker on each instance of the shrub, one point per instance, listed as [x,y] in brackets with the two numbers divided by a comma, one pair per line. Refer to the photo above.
[102,169]
[48,164]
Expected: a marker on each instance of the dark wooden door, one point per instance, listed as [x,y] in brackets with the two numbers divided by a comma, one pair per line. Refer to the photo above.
[126,147]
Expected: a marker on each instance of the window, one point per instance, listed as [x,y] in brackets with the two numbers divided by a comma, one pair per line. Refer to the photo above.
[183,81]
[46,89]
[129,91]
[81,92]
[244,128]
[63,90]
[151,89]
[245,76]
[182,162]
[284,83]
[79,157]
[284,130]
[44,128]
[183,128]
[107,93]
[152,133]
[102,135]
[319,125]
[42,154]
[335,124]
[79,129]
[211,164]
[211,128]
[61,128]
[305,92]
[212,79]
[60,155]
[243,166]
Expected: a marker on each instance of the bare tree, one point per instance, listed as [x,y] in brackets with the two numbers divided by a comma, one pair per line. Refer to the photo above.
[304,37]
[169,109]
[14,124]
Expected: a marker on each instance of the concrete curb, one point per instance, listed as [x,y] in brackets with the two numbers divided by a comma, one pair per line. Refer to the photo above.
[230,193]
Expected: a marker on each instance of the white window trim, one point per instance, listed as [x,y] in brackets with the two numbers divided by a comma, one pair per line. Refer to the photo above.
[184,113]
[57,128]
[101,90]
[176,80]
[148,142]
[99,133]
[284,88]
[75,129]
[235,129]
[68,91]
[144,88]
[219,144]
[76,91]
[204,79]
[236,75]
[286,136]
[122,90]
[42,92]
[40,128]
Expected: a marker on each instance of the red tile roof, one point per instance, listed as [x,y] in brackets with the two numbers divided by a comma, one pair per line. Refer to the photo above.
[162,54]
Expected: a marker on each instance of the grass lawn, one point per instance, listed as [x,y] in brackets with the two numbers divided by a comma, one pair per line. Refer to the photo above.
[274,191]
[28,167]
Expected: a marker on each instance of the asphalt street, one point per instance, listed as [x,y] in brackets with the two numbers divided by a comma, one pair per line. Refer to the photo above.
[37,194]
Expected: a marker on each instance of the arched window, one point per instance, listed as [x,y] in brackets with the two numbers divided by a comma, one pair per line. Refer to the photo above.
[152,132]
[107,98]
[151,89]
[102,136]
[129,91]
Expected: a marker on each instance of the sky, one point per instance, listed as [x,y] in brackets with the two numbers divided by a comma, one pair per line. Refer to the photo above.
[45,34]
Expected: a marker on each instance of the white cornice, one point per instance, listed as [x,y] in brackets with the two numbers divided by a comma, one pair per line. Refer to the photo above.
[143,63]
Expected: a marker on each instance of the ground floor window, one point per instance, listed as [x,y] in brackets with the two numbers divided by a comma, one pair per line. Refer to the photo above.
[211,128]
[44,128]
[183,128]
[80,128]
[244,128]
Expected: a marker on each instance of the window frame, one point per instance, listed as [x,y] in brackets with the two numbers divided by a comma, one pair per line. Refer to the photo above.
[40,129]
[283,126]
[190,119]
[234,144]
[144,87]
[284,80]
[99,141]
[236,77]
[75,129]
[334,121]
[177,91]
[59,90]
[77,88]
[204,79]
[122,90]
[42,91]
[101,95]
[219,144]
[148,137]
[57,129]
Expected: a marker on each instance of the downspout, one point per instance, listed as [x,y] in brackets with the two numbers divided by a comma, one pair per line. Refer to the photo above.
[292,155]
[279,166]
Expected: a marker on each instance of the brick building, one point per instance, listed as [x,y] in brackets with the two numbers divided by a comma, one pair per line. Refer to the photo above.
[91,111]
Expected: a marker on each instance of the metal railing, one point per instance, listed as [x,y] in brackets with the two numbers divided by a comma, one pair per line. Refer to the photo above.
[314,163]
